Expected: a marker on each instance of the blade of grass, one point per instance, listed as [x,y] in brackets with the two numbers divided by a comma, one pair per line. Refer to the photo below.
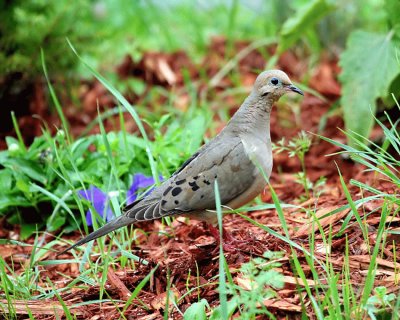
[108,150]
[55,99]
[353,210]
[370,278]
[138,288]
[222,280]
[18,132]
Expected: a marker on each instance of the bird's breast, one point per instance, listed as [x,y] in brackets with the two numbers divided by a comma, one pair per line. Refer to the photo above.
[259,151]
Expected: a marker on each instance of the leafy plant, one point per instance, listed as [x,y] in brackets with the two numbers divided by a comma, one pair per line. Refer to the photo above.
[380,304]
[381,159]
[298,147]
[197,311]
[307,15]
[369,71]
[256,283]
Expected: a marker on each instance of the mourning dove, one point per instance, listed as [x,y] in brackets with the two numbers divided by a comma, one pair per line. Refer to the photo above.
[236,157]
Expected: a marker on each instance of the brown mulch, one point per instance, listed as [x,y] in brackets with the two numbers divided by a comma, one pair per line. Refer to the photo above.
[189,245]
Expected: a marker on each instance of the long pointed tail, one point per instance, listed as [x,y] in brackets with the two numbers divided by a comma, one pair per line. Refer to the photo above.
[115,224]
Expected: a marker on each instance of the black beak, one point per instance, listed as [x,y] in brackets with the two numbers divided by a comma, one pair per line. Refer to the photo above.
[295,89]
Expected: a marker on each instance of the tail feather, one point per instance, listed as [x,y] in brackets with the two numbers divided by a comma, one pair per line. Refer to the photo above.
[115,224]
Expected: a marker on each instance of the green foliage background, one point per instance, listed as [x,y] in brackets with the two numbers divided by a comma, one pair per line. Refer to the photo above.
[28,26]
[370,66]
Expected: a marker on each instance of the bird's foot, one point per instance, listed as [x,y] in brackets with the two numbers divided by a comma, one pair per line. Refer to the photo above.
[229,244]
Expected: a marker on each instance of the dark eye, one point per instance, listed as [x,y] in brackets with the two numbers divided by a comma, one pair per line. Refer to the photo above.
[274,81]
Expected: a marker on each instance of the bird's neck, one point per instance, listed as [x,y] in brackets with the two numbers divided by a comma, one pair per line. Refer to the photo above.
[253,116]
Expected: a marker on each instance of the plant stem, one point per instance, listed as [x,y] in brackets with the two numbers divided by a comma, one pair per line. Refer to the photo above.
[304,177]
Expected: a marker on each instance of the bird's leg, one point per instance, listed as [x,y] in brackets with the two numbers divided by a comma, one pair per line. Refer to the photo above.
[228,240]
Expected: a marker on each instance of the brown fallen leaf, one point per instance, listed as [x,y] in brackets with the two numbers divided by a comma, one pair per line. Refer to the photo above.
[6,251]
[324,222]
[282,305]
[366,259]
[43,307]
[375,220]
[160,301]
[298,281]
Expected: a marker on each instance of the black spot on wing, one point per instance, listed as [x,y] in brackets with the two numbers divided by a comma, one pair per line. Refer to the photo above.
[167,190]
[194,185]
[175,191]
[179,182]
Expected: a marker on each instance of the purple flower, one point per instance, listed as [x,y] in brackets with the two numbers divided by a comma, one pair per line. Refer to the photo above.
[99,201]
[139,181]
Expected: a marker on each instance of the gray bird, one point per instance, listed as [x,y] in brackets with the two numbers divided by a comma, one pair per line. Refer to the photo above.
[236,157]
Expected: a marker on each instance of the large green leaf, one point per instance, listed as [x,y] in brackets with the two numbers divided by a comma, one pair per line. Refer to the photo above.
[197,311]
[368,67]
[306,17]
[29,168]
[12,200]
[393,12]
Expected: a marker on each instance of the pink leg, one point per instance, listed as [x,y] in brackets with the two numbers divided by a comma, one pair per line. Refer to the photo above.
[228,240]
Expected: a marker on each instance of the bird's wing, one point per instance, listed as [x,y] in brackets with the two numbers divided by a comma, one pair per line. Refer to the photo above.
[191,188]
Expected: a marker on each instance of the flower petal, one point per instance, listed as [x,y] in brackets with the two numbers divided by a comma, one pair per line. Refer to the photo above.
[109,214]
[139,181]
[99,201]
[89,220]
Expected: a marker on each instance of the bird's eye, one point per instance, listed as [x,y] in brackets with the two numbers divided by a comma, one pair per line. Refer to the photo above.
[274,81]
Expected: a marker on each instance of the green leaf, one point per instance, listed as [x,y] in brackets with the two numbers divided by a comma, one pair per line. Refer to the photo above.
[307,16]
[22,185]
[27,167]
[232,306]
[6,179]
[11,140]
[197,311]
[392,8]
[54,222]
[369,66]
[27,229]
[81,146]
[12,200]
[3,156]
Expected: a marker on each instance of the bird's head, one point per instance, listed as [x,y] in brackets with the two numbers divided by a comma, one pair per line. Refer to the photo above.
[274,84]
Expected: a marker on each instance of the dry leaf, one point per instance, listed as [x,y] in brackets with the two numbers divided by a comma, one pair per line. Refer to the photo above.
[324,222]
[160,301]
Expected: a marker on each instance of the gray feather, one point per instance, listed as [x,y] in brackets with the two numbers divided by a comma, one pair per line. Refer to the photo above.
[115,224]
